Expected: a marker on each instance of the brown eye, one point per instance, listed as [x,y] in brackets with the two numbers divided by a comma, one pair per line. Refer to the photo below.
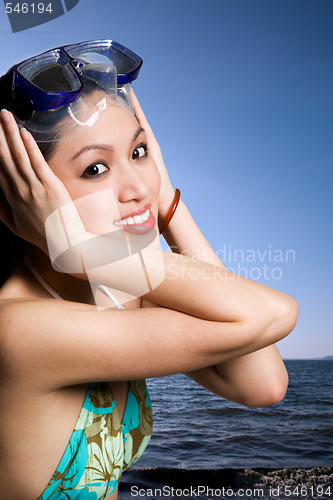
[95,170]
[140,151]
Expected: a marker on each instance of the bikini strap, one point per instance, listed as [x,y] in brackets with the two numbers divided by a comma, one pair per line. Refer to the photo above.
[112,297]
[41,280]
[56,295]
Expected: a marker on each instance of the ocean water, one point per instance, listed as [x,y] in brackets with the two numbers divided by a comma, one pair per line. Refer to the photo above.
[201,438]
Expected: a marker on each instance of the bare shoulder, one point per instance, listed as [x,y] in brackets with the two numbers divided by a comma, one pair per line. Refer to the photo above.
[23,322]
[36,328]
[32,329]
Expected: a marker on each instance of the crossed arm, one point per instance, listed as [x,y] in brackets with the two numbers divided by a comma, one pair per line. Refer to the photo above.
[229,321]
[255,379]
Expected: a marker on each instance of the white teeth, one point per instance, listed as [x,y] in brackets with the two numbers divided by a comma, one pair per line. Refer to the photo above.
[145,216]
[136,219]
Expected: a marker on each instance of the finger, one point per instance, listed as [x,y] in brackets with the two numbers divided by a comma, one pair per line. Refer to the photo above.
[6,159]
[12,181]
[37,160]
[40,167]
[17,149]
[139,113]
[144,122]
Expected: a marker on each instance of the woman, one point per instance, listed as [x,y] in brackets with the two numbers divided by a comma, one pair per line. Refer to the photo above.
[183,313]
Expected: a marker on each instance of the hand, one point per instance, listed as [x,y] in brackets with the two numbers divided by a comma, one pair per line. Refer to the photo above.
[31,191]
[167,191]
[37,207]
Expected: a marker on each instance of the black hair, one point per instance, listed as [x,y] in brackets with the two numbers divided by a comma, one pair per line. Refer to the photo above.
[12,246]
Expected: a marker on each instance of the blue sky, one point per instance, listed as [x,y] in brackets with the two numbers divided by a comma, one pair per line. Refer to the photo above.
[239,94]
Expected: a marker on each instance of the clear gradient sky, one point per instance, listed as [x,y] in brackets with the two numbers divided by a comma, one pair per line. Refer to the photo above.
[240,96]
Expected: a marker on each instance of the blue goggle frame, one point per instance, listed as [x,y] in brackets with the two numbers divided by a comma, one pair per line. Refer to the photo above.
[127,63]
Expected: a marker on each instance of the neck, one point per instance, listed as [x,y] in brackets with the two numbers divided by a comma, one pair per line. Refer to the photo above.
[68,287]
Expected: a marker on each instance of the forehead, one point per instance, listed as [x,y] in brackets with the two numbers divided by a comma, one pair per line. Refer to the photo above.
[113,125]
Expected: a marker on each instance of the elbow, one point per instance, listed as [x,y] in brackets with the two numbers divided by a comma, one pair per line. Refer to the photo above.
[284,317]
[275,320]
[274,391]
[274,394]
[291,315]
[278,392]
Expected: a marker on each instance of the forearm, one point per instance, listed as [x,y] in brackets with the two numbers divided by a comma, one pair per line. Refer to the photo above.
[202,289]
[256,379]
[184,236]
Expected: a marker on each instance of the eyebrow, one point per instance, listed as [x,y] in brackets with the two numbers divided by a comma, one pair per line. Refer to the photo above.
[103,147]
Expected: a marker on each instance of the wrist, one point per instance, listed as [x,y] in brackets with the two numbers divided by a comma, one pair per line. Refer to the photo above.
[165,203]
[168,214]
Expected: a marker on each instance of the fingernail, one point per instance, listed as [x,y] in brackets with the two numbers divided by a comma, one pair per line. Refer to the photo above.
[5,115]
[25,134]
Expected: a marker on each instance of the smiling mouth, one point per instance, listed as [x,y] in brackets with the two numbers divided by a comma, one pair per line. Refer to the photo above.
[135,220]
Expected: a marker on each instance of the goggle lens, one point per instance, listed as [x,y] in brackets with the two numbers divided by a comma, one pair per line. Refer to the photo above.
[49,80]
[62,78]
[52,79]
[128,64]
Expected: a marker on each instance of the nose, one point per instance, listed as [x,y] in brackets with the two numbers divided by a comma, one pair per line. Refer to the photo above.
[131,184]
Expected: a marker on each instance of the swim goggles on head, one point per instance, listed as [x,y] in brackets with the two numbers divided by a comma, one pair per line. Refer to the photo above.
[55,86]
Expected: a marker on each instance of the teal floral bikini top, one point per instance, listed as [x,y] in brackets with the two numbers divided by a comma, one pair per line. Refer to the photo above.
[101,446]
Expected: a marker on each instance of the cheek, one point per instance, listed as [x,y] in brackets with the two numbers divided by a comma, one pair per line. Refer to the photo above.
[98,210]
[154,179]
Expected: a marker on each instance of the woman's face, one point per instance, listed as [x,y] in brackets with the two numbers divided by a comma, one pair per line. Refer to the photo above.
[109,172]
